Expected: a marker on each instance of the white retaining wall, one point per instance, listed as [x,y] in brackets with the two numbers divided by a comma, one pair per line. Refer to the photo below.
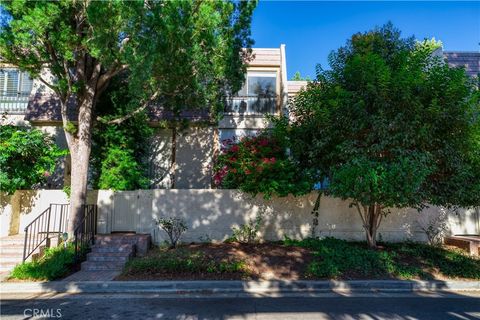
[210,214]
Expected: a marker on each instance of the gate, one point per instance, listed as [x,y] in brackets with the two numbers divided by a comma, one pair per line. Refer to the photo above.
[125,211]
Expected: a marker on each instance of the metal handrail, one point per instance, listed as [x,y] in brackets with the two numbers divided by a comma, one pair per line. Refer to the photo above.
[84,234]
[252,104]
[39,230]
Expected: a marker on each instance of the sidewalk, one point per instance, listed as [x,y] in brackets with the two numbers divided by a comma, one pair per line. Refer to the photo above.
[236,287]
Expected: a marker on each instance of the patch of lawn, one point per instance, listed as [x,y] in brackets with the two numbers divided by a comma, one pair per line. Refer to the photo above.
[56,263]
[352,260]
[181,261]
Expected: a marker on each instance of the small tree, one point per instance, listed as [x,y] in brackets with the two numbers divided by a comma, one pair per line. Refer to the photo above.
[27,157]
[390,125]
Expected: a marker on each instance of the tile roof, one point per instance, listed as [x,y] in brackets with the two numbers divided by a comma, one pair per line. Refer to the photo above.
[470,60]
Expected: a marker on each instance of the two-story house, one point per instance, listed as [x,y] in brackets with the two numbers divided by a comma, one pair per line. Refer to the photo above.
[178,159]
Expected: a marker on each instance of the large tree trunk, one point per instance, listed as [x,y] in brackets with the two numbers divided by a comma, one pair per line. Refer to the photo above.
[80,147]
[371,217]
[79,180]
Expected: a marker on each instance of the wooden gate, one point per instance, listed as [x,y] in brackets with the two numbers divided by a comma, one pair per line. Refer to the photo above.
[125,211]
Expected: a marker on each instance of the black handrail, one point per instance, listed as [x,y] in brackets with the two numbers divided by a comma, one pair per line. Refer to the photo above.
[84,234]
[52,220]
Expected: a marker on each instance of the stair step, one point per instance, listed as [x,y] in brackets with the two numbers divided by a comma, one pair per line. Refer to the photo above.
[8,266]
[116,241]
[12,259]
[11,250]
[97,258]
[105,265]
[124,248]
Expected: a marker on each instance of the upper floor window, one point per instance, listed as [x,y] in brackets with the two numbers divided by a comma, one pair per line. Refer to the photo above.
[257,96]
[15,88]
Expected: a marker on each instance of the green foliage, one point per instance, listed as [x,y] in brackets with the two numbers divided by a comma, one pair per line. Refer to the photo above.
[56,263]
[71,128]
[120,171]
[182,261]
[390,125]
[119,150]
[341,259]
[67,190]
[259,165]
[248,232]
[298,77]
[27,157]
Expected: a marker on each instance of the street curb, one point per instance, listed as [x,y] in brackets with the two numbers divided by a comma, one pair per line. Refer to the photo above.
[237,287]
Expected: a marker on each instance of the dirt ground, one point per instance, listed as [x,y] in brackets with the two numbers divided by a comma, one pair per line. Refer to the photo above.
[262,260]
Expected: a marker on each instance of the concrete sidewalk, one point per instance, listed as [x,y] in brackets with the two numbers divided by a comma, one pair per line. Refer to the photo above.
[236,287]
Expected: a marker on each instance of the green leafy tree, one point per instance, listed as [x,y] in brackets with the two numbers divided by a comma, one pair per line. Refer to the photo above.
[390,125]
[178,54]
[27,157]
[298,77]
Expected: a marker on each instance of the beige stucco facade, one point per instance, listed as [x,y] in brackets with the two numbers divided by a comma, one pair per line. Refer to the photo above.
[211,214]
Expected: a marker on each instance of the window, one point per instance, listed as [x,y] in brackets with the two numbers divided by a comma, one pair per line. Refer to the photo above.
[258,95]
[15,88]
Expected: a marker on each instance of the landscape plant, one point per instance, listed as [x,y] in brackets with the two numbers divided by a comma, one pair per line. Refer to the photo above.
[390,125]
[55,263]
[174,228]
[248,232]
[259,164]
[27,157]
[119,151]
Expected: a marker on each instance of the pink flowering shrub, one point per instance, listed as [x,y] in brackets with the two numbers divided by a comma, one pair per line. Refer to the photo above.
[258,165]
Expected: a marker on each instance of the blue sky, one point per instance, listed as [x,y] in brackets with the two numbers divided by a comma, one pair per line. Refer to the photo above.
[311,29]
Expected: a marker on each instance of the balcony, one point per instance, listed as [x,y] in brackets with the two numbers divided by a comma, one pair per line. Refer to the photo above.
[14,103]
[251,105]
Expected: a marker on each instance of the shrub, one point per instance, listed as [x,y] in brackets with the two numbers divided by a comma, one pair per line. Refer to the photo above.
[56,263]
[121,171]
[27,157]
[247,233]
[434,224]
[174,227]
[259,164]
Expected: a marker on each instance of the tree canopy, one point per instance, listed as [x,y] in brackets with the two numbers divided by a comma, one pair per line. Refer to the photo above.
[390,125]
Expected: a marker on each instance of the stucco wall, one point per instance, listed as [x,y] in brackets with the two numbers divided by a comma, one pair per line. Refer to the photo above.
[210,214]
[193,157]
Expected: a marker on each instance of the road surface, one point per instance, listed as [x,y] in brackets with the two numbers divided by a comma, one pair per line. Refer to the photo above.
[327,306]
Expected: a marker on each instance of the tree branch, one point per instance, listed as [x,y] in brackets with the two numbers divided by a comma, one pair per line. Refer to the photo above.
[51,86]
[128,116]
[360,213]
[104,78]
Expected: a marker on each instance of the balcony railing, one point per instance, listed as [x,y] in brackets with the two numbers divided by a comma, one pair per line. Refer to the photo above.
[14,104]
[258,104]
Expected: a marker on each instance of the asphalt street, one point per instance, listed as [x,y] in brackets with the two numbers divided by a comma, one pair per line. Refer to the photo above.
[328,306]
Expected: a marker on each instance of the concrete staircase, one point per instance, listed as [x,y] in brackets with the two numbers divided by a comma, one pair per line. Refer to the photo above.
[11,251]
[112,251]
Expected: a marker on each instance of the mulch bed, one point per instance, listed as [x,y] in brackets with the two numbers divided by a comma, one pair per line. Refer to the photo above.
[262,260]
